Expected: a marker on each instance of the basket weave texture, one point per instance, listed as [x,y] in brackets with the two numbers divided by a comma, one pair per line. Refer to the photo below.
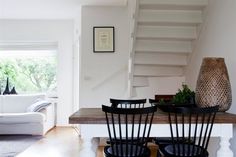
[213,84]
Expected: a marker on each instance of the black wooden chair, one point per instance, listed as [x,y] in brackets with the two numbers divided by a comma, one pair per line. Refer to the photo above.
[167,100]
[128,130]
[128,103]
[190,129]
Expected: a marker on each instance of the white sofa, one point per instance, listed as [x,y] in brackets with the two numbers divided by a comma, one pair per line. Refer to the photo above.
[15,119]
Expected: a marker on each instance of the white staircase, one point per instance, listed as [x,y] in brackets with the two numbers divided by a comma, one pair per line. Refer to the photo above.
[164,32]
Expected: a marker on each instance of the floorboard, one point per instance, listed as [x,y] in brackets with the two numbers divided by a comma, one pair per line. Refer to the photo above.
[64,142]
[59,142]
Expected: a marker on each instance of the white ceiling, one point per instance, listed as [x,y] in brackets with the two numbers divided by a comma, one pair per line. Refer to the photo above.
[49,9]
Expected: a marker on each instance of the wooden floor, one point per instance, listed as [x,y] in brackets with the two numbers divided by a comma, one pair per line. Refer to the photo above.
[59,142]
[63,142]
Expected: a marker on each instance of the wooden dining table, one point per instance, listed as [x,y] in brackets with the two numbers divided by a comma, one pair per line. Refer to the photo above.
[92,123]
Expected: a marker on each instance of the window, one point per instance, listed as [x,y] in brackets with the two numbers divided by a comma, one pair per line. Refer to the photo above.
[29,71]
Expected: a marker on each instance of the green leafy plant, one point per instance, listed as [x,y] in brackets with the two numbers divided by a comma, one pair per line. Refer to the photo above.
[184,96]
[162,101]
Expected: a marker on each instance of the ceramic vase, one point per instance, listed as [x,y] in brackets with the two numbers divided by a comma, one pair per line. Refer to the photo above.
[13,91]
[213,84]
[7,91]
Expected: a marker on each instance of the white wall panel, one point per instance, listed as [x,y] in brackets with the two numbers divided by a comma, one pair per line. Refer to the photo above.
[217,39]
[60,31]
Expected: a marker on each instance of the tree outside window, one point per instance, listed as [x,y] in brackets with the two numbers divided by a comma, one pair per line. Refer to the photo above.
[29,74]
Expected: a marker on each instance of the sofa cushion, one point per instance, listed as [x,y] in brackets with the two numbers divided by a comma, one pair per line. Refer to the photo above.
[16,118]
[38,106]
[19,103]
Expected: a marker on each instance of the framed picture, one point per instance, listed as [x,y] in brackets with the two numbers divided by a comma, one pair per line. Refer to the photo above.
[103,39]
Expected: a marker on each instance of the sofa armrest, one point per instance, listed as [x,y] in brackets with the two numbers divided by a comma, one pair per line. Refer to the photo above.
[50,117]
[48,110]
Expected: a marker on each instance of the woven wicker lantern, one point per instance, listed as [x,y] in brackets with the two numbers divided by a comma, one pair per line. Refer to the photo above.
[213,85]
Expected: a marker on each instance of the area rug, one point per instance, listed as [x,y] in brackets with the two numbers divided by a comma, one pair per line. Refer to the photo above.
[12,145]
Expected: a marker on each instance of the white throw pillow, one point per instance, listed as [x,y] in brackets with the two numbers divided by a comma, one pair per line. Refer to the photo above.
[37,106]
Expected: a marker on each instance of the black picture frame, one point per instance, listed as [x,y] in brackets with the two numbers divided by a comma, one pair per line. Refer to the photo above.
[103,39]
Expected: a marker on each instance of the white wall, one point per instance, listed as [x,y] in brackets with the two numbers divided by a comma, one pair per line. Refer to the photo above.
[160,85]
[60,31]
[217,39]
[76,60]
[103,75]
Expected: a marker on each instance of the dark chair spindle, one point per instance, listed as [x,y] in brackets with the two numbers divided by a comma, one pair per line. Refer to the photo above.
[128,130]
[190,129]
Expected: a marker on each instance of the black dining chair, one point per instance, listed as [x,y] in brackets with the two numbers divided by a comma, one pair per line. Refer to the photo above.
[165,100]
[128,103]
[190,129]
[128,130]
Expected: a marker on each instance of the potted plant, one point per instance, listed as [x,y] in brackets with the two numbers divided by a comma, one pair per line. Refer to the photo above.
[184,96]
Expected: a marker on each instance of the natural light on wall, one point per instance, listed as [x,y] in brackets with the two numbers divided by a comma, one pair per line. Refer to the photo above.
[29,71]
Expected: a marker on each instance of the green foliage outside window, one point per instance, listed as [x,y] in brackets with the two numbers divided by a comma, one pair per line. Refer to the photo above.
[29,75]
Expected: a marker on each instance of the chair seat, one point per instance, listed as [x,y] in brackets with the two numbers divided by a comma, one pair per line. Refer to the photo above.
[123,149]
[130,140]
[184,150]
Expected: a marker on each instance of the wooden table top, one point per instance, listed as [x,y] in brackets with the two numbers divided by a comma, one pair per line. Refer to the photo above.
[97,116]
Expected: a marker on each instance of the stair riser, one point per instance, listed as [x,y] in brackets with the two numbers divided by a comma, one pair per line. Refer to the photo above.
[140,81]
[157,71]
[162,32]
[160,59]
[173,4]
[169,16]
[163,46]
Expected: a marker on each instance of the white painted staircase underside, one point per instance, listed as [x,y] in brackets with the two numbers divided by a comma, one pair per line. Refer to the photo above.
[164,34]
